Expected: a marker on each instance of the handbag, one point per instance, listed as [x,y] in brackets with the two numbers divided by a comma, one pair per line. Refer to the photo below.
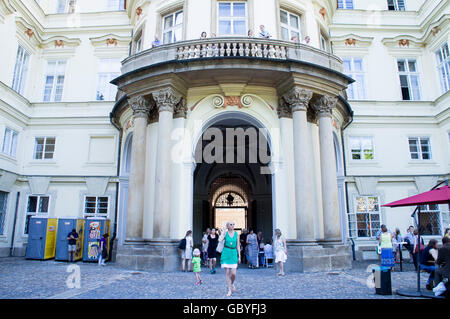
[220,246]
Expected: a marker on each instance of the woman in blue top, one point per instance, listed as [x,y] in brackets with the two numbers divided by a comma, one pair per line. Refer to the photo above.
[230,257]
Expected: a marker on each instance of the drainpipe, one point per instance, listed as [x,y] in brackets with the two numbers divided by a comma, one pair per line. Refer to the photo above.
[345,174]
[11,250]
[111,119]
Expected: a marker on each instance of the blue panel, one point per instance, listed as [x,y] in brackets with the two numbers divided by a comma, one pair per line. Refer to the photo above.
[36,238]
[65,226]
[93,231]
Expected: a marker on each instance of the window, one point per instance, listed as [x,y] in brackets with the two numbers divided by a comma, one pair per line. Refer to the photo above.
[113,5]
[44,148]
[61,6]
[95,206]
[54,81]
[37,204]
[323,43]
[353,67]
[173,27]
[365,221]
[419,148]
[290,26]
[345,4]
[361,148]
[108,69]
[20,70]
[3,201]
[443,62]
[409,79]
[138,42]
[396,5]
[430,220]
[232,18]
[10,142]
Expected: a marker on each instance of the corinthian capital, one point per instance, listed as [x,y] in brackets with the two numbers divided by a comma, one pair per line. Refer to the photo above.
[298,98]
[166,99]
[324,105]
[139,105]
[180,109]
[283,109]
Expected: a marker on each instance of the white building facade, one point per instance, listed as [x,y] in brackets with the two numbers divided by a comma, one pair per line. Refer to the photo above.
[354,98]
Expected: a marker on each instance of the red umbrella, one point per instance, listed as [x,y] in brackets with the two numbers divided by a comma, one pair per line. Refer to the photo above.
[439,195]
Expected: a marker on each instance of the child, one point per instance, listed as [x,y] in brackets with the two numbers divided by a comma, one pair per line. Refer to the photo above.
[196,261]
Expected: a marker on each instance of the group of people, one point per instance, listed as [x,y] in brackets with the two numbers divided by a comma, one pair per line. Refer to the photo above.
[261,34]
[72,238]
[233,249]
[431,257]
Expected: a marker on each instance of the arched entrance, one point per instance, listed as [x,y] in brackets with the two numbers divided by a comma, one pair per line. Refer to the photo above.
[232,180]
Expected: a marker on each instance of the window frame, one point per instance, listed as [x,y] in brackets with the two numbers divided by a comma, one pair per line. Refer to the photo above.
[120,5]
[362,159]
[354,212]
[3,212]
[353,72]
[345,4]
[419,147]
[408,75]
[29,213]
[20,70]
[425,209]
[56,75]
[445,81]
[232,19]
[396,5]
[112,89]
[288,26]
[96,214]
[43,148]
[12,148]
[173,27]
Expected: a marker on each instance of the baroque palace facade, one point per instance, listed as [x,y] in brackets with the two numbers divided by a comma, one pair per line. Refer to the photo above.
[104,106]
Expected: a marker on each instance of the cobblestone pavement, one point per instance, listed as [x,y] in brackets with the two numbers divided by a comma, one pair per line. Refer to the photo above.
[20,278]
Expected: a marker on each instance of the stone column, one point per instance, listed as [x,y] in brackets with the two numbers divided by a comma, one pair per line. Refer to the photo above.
[140,107]
[298,100]
[166,100]
[330,203]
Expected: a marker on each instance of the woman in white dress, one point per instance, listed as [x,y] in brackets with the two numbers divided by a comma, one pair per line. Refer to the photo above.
[280,250]
[186,254]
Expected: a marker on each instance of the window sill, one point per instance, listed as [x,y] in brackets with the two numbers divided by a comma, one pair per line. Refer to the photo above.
[42,163]
[363,163]
[422,162]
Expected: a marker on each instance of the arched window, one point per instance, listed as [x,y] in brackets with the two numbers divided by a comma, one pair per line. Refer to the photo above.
[230,199]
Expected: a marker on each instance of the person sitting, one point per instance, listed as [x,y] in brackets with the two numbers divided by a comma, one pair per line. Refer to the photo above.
[443,261]
[427,261]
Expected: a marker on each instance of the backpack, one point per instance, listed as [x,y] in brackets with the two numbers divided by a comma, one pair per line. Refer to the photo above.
[182,244]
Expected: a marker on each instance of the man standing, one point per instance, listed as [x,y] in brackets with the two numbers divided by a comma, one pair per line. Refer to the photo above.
[243,244]
[263,33]
[72,238]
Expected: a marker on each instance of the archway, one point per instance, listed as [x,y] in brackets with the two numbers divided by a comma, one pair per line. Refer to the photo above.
[232,179]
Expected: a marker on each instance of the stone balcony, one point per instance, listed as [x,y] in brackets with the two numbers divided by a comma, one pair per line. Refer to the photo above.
[232,47]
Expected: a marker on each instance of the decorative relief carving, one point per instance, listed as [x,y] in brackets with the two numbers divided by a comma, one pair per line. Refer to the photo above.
[283,109]
[220,101]
[350,41]
[246,100]
[111,41]
[138,12]
[180,109]
[140,106]
[298,98]
[29,33]
[59,43]
[166,99]
[435,31]
[324,105]
[403,43]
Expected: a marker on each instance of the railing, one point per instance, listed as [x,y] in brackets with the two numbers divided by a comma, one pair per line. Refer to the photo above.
[232,47]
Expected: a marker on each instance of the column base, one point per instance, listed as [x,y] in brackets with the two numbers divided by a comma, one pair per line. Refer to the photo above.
[318,257]
[159,255]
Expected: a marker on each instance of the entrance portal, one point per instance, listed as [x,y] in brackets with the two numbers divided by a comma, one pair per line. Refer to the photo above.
[239,190]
